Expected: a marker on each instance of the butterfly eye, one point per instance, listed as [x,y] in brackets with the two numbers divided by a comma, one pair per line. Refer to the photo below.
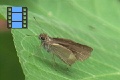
[42,38]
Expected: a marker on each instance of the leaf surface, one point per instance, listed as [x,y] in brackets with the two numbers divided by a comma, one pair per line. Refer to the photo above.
[91,22]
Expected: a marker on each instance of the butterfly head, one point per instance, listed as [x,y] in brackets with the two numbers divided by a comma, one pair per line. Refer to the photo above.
[43,37]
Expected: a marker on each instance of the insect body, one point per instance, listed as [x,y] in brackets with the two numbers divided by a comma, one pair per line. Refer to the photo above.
[67,50]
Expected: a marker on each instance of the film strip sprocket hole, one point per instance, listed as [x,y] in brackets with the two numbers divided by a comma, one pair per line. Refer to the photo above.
[17,17]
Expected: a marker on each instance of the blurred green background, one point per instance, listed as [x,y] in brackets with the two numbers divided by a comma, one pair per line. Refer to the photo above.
[10,68]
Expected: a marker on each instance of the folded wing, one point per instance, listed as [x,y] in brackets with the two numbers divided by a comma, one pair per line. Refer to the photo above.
[80,51]
[63,53]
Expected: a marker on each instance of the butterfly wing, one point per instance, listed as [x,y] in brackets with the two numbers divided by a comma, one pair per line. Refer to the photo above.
[63,53]
[80,51]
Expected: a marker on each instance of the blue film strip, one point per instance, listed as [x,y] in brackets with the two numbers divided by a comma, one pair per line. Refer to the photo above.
[17,17]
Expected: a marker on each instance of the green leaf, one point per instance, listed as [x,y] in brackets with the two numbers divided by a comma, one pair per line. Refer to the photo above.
[91,22]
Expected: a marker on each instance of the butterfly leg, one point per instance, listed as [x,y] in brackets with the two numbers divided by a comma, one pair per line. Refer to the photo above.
[54,58]
[41,45]
[68,66]
[48,48]
[54,63]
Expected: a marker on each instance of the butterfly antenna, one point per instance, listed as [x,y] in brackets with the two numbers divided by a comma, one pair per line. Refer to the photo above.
[38,24]
[31,35]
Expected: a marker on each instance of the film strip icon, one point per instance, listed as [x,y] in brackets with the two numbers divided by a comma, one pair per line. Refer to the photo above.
[17,17]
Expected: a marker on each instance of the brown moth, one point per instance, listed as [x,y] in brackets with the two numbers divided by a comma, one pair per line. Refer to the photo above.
[67,50]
